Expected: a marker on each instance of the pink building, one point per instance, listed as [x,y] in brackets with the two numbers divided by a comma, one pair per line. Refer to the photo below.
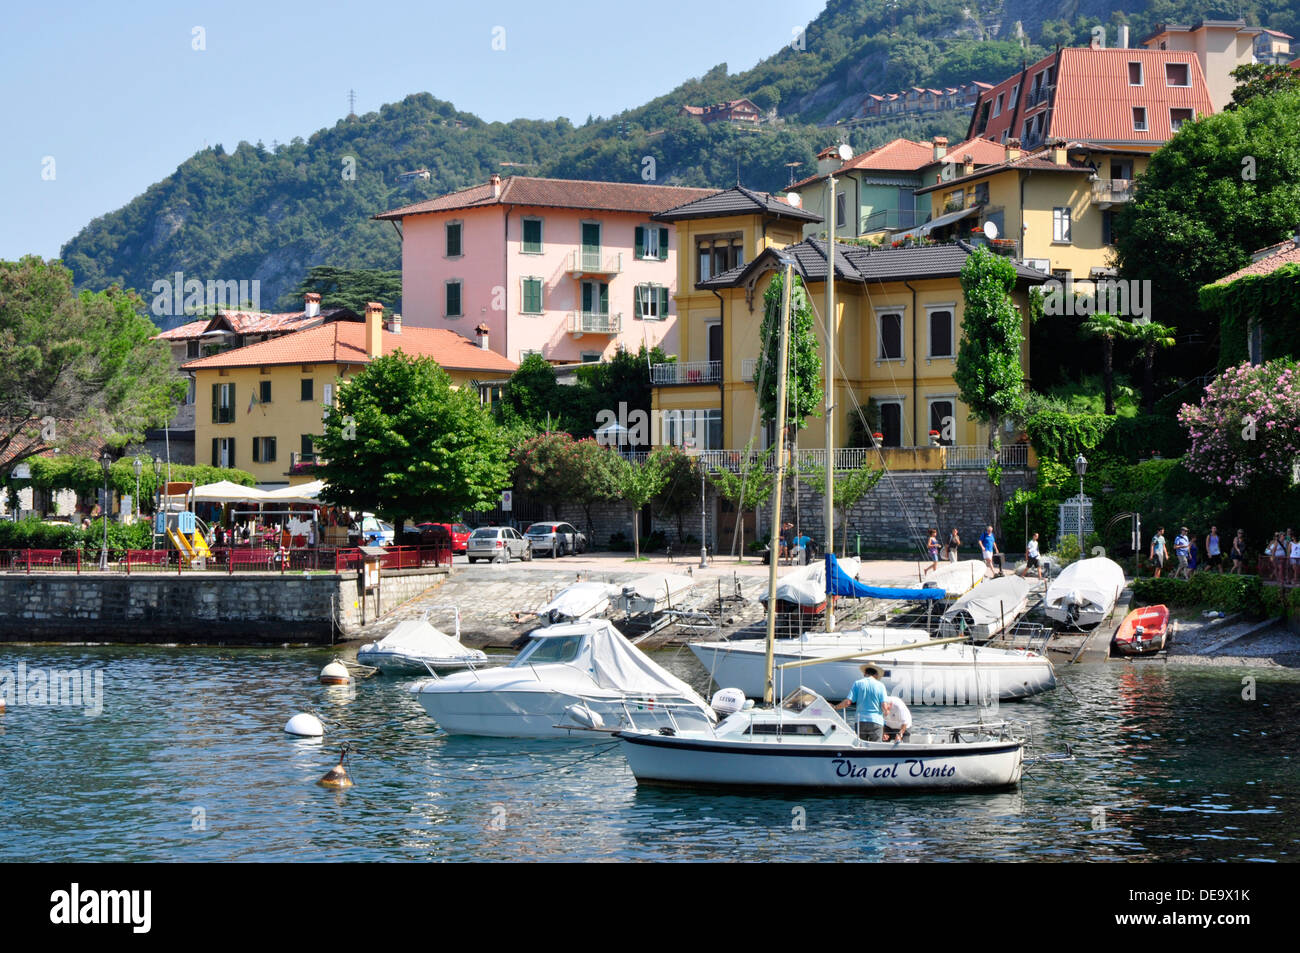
[568,269]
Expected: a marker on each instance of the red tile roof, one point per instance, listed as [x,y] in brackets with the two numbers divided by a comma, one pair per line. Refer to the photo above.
[1273,258]
[558,193]
[345,343]
[185,332]
[983,151]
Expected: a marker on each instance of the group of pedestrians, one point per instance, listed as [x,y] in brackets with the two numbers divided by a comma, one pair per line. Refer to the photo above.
[1284,557]
[1187,557]
[935,551]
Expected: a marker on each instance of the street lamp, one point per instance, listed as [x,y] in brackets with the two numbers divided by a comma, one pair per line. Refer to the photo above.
[1081,467]
[157,482]
[138,467]
[105,461]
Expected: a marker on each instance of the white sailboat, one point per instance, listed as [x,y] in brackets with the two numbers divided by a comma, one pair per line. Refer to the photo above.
[804,742]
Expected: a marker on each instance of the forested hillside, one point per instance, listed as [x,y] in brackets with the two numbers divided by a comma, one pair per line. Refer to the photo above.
[271,214]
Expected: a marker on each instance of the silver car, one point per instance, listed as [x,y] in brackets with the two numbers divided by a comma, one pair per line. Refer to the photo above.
[498,542]
[558,539]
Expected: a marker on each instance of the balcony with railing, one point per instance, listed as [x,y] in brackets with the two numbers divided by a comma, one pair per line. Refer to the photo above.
[1037,96]
[686,372]
[595,322]
[304,462]
[1108,192]
[891,218]
[930,457]
[593,261]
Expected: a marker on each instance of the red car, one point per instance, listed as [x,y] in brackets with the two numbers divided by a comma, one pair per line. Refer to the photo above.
[459,534]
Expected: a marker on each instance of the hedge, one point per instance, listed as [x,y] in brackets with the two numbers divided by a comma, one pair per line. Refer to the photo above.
[32,533]
[1215,591]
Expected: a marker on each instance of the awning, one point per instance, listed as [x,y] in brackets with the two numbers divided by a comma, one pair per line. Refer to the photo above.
[304,493]
[939,222]
[226,492]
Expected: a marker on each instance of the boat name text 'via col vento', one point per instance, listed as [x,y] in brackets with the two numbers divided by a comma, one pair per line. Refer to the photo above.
[915,768]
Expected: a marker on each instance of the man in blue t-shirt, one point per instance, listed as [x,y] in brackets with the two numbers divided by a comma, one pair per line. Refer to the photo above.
[869,694]
[989,548]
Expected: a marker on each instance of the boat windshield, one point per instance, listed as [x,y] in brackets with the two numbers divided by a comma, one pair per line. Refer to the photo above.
[556,649]
[806,701]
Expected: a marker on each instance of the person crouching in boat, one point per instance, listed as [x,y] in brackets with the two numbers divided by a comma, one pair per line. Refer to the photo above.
[869,694]
[898,720]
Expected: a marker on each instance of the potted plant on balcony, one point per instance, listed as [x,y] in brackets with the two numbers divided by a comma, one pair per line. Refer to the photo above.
[934,438]
[878,439]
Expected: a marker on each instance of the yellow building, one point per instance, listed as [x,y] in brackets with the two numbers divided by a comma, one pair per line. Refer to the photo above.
[1054,208]
[898,329]
[259,407]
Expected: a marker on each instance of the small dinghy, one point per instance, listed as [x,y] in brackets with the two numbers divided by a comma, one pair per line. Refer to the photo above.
[1144,631]
[655,593]
[415,647]
[582,600]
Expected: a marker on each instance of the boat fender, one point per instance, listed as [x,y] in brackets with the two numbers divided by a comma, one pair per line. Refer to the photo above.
[304,725]
[335,673]
[337,776]
[582,715]
[727,701]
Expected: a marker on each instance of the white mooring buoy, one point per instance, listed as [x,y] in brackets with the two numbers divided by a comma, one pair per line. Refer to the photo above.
[305,726]
[335,673]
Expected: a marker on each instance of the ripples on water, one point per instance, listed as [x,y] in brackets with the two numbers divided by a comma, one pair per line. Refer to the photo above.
[1181,766]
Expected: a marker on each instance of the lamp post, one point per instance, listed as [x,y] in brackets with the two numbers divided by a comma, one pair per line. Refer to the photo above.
[105,461]
[157,482]
[1081,467]
[138,467]
[693,449]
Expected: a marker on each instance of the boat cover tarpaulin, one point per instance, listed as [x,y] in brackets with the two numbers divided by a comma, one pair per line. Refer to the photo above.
[417,638]
[580,600]
[619,665]
[840,583]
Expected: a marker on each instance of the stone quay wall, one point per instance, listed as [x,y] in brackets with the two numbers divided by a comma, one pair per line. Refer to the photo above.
[197,608]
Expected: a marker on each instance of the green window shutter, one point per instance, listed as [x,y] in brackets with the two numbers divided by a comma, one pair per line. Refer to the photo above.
[638,306]
[640,241]
[215,459]
[231,454]
[306,445]
[257,449]
[216,402]
[663,244]
[663,304]
[269,452]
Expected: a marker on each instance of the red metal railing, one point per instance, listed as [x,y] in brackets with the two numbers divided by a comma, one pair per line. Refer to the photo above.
[223,559]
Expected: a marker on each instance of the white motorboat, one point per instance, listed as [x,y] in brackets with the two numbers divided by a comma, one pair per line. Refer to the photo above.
[945,673]
[1085,592]
[654,593]
[417,647]
[988,609]
[806,743]
[571,678]
[582,600]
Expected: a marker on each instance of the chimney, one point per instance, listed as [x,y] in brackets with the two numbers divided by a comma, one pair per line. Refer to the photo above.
[1095,43]
[967,164]
[495,182]
[1058,152]
[482,332]
[940,147]
[1123,36]
[1013,150]
[312,304]
[828,160]
[395,324]
[374,329]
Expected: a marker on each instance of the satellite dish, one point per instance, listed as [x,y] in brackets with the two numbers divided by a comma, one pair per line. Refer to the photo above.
[794,199]
[990,231]
[945,174]
[846,153]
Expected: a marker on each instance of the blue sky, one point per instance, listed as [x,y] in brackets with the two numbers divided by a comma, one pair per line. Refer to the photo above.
[102,100]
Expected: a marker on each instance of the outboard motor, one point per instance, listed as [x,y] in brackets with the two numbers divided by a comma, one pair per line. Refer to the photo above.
[727,701]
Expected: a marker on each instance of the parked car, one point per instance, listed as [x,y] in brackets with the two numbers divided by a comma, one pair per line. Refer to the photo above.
[458,532]
[558,539]
[427,534]
[498,542]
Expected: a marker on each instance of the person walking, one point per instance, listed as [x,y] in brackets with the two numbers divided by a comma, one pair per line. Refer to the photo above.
[989,548]
[954,541]
[1213,556]
[1031,558]
[932,550]
[1182,549]
[1159,551]
[1295,560]
[1277,552]
[1238,552]
[869,694]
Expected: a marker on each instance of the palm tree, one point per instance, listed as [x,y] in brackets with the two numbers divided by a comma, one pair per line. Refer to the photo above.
[1108,328]
[1150,337]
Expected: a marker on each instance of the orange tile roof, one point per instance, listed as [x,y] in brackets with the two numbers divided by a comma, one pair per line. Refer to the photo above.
[983,151]
[1041,161]
[558,193]
[1274,257]
[185,332]
[345,343]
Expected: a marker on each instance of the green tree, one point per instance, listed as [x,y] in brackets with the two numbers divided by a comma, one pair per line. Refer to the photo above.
[532,394]
[990,378]
[1107,327]
[556,468]
[1262,79]
[681,492]
[1150,337]
[804,389]
[1224,186]
[74,367]
[350,288]
[638,482]
[402,441]
[746,487]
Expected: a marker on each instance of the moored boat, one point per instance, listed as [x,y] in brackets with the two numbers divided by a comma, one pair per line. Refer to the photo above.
[416,647]
[1144,631]
[988,609]
[1085,592]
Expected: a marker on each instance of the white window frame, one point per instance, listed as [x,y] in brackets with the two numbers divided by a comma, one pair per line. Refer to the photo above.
[930,401]
[902,416]
[1062,236]
[525,353]
[1186,85]
[880,335]
[1141,73]
[1176,124]
[997,105]
[708,325]
[1145,125]
[639,296]
[931,309]
[541,235]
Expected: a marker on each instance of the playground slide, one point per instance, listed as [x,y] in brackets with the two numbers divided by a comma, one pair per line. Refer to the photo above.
[180,542]
[200,547]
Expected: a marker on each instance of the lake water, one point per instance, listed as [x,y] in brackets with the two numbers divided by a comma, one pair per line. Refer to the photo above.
[188,761]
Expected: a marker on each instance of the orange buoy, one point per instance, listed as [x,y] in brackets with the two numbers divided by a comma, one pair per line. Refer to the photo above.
[337,776]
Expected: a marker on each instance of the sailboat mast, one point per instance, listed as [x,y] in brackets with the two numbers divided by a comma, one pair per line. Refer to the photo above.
[831,325]
[774,550]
